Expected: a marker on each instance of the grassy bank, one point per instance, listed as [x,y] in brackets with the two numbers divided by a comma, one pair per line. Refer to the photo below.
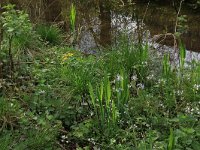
[124,97]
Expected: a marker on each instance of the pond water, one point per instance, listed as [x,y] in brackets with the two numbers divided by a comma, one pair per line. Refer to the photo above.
[99,24]
[144,21]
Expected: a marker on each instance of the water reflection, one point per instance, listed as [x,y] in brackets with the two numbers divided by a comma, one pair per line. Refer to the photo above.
[162,19]
[105,26]
[157,20]
[100,21]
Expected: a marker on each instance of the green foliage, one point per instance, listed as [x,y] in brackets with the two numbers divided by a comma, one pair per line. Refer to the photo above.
[49,33]
[35,131]
[171,140]
[182,25]
[9,113]
[79,70]
[72,17]
[122,90]
[117,99]
[15,22]
[17,27]
[182,55]
[166,65]
[105,108]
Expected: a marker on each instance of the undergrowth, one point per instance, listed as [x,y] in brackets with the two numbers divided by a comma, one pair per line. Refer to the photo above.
[124,98]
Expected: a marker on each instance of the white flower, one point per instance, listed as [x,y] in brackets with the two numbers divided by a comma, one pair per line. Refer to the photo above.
[119,78]
[144,63]
[161,81]
[134,78]
[91,113]
[64,137]
[119,90]
[150,77]
[41,92]
[112,82]
[84,104]
[44,70]
[140,86]
[196,87]
[179,93]
[129,85]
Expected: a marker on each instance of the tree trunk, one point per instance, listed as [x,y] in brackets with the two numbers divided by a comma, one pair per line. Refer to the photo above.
[53,9]
[2,3]
[105,18]
[1,39]
[1,30]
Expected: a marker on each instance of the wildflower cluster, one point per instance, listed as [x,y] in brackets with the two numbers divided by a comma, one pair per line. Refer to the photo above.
[66,56]
[64,138]
[196,87]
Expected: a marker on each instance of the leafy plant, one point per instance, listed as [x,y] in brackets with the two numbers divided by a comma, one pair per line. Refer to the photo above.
[171,140]
[104,107]
[15,24]
[166,66]
[49,33]
[72,17]
[182,56]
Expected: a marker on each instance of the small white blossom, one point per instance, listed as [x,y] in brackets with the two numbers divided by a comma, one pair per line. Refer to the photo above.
[140,86]
[91,113]
[119,78]
[196,87]
[179,93]
[163,81]
[112,82]
[144,63]
[134,78]
[119,90]
[84,104]
[41,92]
[129,85]
[44,70]
[150,77]
[64,137]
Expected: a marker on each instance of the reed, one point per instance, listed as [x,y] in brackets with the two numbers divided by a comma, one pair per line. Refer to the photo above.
[72,17]
[104,106]
[171,140]
[166,65]
[182,55]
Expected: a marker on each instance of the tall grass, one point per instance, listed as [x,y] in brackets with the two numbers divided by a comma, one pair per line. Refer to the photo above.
[49,33]
[72,17]
[166,65]
[122,90]
[104,107]
[109,100]
[182,55]
[171,140]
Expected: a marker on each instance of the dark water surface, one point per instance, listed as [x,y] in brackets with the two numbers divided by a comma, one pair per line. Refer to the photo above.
[99,22]
[161,19]
[143,20]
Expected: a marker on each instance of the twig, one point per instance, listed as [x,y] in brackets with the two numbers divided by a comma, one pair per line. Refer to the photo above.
[165,35]
[62,147]
[43,63]
[44,11]
[122,3]
[179,10]
[63,131]
[145,12]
